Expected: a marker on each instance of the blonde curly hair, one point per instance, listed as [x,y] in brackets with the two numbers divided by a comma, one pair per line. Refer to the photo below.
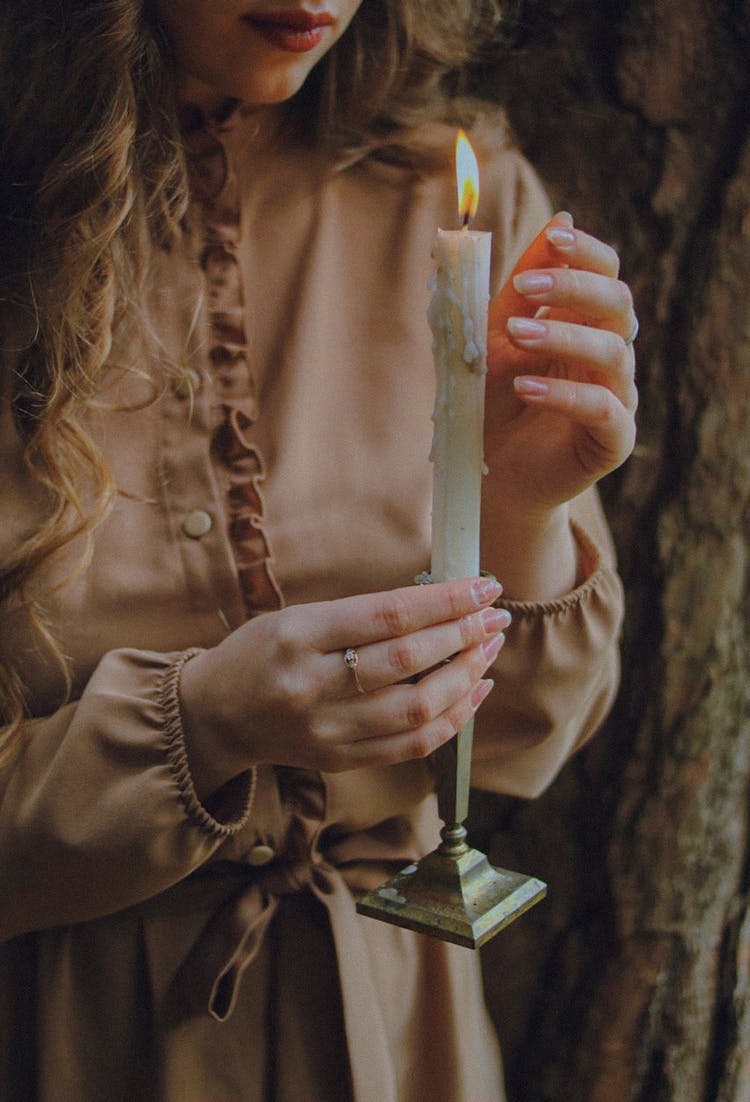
[93,179]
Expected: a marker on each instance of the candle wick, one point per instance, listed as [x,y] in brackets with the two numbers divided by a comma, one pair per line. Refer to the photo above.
[467,219]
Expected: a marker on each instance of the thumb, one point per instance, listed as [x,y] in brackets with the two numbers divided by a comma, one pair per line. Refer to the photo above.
[508,303]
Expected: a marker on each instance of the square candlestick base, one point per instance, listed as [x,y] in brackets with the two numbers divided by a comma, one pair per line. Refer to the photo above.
[458,897]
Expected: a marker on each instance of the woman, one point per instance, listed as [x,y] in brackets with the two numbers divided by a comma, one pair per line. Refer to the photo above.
[216,398]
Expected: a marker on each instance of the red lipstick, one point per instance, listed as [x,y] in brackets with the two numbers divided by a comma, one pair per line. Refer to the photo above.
[296,31]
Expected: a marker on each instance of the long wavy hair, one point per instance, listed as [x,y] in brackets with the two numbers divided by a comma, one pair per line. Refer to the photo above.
[93,179]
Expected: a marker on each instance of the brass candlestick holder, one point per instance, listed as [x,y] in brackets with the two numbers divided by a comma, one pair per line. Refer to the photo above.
[454,893]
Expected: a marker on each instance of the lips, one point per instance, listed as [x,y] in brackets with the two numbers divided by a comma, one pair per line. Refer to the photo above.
[296,31]
[296,20]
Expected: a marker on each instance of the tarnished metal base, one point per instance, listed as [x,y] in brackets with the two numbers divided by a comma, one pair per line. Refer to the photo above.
[454,894]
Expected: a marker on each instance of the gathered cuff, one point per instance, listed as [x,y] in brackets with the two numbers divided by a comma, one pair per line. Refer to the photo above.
[593,569]
[233,804]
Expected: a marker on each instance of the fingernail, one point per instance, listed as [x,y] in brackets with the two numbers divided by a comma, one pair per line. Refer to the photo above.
[483,689]
[486,589]
[492,647]
[534,388]
[495,619]
[533,283]
[560,237]
[526,329]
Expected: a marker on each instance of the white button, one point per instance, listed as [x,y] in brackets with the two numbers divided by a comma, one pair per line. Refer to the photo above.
[260,855]
[187,382]
[197,524]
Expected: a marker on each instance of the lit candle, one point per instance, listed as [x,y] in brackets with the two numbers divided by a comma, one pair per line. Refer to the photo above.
[458,319]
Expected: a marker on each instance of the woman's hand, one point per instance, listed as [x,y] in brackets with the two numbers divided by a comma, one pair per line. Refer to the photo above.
[561,386]
[278,689]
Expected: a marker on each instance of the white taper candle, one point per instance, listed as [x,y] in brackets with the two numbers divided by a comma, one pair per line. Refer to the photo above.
[458,319]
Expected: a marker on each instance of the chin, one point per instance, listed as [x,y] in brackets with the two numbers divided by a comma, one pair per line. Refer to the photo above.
[268,88]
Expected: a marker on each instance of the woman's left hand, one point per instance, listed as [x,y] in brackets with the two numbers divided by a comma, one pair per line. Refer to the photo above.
[561,394]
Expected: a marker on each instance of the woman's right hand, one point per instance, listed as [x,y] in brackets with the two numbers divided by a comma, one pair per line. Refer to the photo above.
[277,690]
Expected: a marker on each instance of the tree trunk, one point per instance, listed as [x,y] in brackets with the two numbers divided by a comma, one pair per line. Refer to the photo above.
[632,981]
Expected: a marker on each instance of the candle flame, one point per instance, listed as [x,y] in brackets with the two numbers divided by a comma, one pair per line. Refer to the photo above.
[467,178]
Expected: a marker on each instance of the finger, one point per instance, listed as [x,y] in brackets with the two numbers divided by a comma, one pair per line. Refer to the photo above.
[369,618]
[581,250]
[420,743]
[541,253]
[412,706]
[395,660]
[593,407]
[597,351]
[603,301]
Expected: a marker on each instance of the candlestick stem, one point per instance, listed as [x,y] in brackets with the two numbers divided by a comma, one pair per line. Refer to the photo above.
[454,842]
[453,767]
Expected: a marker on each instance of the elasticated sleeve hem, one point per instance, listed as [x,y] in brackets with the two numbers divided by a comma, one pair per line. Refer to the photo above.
[234,803]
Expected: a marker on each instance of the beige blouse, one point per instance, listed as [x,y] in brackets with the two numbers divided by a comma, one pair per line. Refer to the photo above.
[155,948]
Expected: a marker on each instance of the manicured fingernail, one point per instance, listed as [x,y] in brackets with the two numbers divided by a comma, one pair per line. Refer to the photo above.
[492,647]
[486,589]
[495,619]
[483,689]
[533,283]
[532,388]
[560,237]
[526,329]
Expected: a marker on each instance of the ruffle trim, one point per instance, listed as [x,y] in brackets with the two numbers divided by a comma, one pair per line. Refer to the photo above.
[239,464]
[237,796]
[596,573]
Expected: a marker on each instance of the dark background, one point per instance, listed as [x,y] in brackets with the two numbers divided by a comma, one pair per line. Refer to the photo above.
[632,981]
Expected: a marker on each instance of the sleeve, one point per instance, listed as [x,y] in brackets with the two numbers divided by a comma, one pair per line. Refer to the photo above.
[97,806]
[556,677]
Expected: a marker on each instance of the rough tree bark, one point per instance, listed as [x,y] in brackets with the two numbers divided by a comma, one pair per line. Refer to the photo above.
[631,983]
